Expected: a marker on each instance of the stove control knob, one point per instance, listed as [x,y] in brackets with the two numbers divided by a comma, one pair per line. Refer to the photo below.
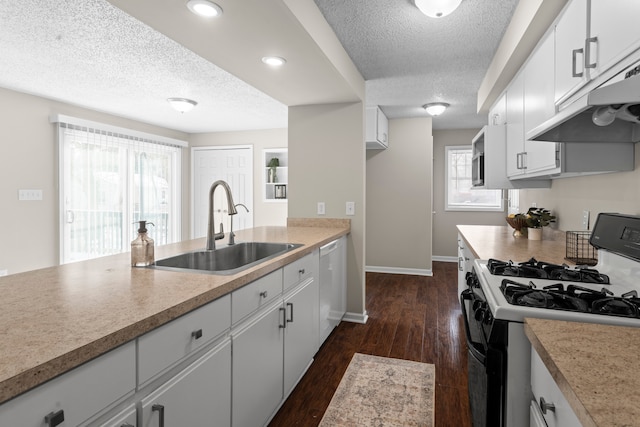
[480,314]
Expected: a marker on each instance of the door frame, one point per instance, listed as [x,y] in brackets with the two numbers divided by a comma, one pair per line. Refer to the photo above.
[192,173]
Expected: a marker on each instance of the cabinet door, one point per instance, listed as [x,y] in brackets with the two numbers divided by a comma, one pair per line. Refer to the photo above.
[515,127]
[570,36]
[615,25]
[125,418]
[498,113]
[383,128]
[258,368]
[199,396]
[301,332]
[539,85]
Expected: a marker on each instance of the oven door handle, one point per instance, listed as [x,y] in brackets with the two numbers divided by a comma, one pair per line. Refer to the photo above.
[476,348]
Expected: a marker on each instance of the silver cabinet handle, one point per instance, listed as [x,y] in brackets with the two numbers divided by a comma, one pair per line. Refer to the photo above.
[160,409]
[587,56]
[574,62]
[284,318]
[197,334]
[545,406]
[263,294]
[52,419]
[290,319]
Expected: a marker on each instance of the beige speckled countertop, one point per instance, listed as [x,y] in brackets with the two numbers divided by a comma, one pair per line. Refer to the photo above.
[492,241]
[595,367]
[54,319]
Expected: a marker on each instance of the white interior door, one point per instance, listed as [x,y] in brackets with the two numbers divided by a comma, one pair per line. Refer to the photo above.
[233,165]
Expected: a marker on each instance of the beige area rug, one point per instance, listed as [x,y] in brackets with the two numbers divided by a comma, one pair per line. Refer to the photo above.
[382,392]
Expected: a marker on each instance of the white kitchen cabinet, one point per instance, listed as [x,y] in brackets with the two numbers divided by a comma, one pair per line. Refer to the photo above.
[166,346]
[257,371]
[125,418]
[376,129]
[546,392]
[276,178]
[332,278]
[515,127]
[197,396]
[465,263]
[259,293]
[78,394]
[300,332]
[614,32]
[570,33]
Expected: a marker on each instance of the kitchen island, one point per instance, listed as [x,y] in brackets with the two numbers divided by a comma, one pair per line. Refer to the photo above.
[594,366]
[58,318]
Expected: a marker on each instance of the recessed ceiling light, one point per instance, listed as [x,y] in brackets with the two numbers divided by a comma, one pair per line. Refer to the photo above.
[437,8]
[182,105]
[204,8]
[274,61]
[435,108]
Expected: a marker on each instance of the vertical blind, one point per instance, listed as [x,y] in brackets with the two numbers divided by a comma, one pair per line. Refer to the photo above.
[109,179]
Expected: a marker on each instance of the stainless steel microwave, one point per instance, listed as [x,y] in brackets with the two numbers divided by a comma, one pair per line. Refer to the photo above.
[477,170]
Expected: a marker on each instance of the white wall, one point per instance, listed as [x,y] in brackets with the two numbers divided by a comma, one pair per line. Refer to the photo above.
[568,197]
[444,222]
[28,159]
[399,197]
[265,213]
[327,163]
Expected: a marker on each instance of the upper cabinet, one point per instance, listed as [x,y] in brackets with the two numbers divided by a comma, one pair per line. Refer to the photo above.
[614,32]
[377,129]
[591,37]
[570,34]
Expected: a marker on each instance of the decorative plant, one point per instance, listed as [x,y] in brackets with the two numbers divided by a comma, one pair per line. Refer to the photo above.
[272,165]
[538,217]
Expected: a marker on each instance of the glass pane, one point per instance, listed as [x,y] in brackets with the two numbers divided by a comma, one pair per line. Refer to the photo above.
[94,198]
[460,191]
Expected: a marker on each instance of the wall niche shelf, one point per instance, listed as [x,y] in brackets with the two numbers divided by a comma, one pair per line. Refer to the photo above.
[275,178]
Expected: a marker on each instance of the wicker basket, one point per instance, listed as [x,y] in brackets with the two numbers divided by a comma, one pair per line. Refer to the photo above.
[579,250]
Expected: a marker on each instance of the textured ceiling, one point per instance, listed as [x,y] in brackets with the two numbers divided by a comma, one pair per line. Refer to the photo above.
[408,59]
[92,54]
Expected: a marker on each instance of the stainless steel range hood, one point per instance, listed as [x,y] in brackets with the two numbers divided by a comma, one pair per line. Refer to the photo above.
[618,100]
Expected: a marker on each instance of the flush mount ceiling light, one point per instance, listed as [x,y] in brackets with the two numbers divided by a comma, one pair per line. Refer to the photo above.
[204,8]
[437,8]
[435,108]
[182,105]
[274,61]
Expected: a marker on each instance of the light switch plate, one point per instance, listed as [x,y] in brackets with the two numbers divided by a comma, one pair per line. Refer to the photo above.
[585,220]
[29,194]
[351,208]
[320,208]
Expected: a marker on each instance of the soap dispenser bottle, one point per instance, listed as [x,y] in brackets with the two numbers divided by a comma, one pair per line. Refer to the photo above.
[142,247]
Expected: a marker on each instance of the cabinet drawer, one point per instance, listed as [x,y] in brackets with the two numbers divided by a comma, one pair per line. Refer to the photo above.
[80,393]
[300,270]
[165,346]
[251,297]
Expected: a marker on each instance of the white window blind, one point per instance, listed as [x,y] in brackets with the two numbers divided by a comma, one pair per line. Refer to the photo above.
[109,179]
[460,194]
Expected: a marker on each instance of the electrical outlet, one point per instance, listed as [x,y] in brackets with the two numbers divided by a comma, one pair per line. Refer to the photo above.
[29,194]
[351,208]
[585,220]
[534,205]
[320,208]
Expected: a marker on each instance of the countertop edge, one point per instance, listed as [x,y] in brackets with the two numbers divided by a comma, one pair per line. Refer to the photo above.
[43,372]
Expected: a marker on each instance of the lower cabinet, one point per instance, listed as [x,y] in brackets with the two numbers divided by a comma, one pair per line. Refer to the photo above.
[300,332]
[258,367]
[548,404]
[197,396]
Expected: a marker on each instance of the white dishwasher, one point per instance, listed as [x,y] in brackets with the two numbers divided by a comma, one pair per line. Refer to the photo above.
[333,288]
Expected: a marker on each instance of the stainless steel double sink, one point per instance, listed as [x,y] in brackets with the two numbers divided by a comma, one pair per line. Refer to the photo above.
[227,260]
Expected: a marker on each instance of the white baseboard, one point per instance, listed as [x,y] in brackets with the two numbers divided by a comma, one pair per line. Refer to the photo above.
[444,258]
[399,270]
[356,317]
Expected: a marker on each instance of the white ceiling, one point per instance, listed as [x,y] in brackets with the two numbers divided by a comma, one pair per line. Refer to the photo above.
[92,54]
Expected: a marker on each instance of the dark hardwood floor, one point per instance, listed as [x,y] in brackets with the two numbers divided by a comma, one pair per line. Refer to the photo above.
[410,317]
